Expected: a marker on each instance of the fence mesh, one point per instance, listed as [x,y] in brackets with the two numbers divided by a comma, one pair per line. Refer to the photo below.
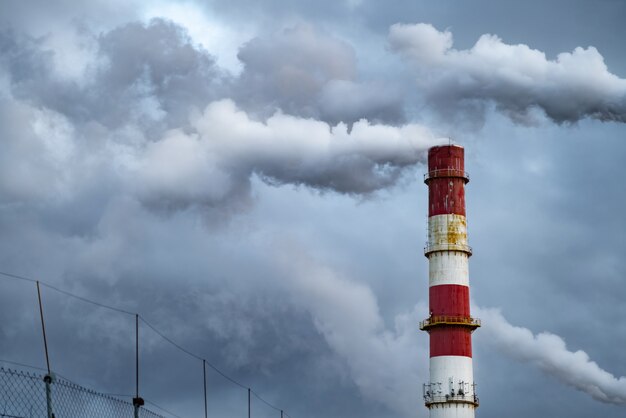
[24,395]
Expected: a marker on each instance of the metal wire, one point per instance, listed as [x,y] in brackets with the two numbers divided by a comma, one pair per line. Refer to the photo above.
[66,293]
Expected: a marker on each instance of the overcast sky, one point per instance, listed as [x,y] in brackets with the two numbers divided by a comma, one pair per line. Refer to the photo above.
[247,175]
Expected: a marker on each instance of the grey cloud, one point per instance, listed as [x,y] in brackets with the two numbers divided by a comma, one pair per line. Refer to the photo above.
[346,100]
[153,75]
[516,78]
[273,11]
[136,116]
[308,73]
[147,75]
[40,17]
[158,60]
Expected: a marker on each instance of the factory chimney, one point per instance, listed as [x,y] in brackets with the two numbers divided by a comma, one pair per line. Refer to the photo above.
[451,391]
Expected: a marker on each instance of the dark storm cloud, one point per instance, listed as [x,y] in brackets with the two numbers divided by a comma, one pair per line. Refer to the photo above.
[550,268]
[323,324]
[516,78]
[142,127]
[281,318]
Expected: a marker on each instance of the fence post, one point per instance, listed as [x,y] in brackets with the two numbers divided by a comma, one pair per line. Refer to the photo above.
[249,415]
[48,380]
[43,327]
[138,402]
[48,377]
[204,378]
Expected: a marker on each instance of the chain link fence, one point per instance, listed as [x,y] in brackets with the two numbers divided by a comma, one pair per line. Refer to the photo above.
[27,395]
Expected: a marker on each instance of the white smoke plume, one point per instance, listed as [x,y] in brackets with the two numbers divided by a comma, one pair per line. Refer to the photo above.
[224,147]
[153,116]
[387,365]
[212,161]
[549,352]
[516,78]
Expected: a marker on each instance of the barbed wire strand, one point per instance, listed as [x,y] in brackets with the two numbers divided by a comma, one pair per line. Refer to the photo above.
[163,409]
[15,276]
[93,302]
[28,366]
[208,363]
[118,395]
[169,340]
[264,401]
[15,363]
[65,292]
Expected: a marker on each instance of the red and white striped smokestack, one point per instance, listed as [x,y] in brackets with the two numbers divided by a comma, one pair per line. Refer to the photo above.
[451,391]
